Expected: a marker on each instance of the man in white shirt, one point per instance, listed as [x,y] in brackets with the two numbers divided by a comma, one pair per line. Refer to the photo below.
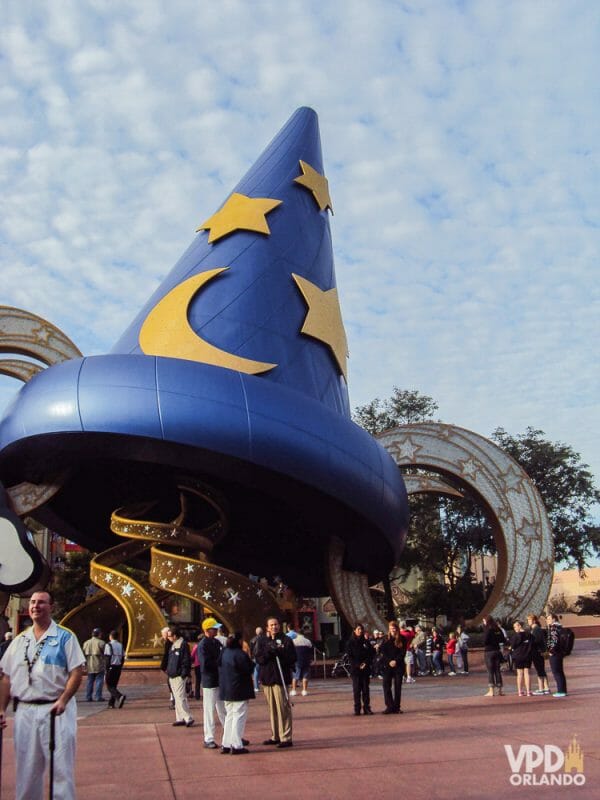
[42,670]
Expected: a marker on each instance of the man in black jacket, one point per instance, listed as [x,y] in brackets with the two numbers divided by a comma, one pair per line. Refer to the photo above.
[179,666]
[360,653]
[276,655]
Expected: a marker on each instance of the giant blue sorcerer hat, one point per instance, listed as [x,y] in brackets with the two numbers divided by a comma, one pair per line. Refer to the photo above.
[235,371]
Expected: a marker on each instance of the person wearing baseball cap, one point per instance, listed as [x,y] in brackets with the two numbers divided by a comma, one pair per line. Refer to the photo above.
[209,650]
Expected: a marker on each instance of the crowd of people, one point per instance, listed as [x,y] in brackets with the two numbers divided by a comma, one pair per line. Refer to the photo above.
[42,669]
[408,652]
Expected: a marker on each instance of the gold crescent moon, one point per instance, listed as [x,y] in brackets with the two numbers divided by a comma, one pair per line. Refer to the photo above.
[167,332]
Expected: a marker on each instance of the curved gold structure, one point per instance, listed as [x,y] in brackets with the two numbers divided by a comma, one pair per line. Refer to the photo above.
[240,603]
[34,337]
[167,332]
[29,335]
[522,531]
[521,527]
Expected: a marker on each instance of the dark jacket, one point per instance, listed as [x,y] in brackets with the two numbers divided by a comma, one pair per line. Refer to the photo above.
[493,639]
[267,652]
[389,651]
[209,650]
[553,638]
[165,656]
[359,651]
[538,638]
[235,675]
[521,647]
[179,662]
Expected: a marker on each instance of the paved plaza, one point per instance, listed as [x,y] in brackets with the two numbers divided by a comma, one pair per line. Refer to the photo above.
[448,743]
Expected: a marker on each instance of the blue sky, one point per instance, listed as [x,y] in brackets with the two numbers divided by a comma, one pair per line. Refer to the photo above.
[461,143]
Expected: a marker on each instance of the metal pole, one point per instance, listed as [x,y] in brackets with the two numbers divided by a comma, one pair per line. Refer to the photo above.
[285,691]
[52,748]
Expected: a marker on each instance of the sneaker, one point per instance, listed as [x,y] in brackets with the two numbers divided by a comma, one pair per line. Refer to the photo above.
[190,723]
[208,745]
[293,693]
[304,692]
[452,673]
[538,691]
[559,694]
[547,691]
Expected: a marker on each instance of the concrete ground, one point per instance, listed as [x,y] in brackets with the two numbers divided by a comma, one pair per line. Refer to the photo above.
[449,743]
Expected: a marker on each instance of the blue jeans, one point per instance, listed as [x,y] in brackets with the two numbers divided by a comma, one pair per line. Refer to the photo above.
[438,664]
[255,676]
[94,680]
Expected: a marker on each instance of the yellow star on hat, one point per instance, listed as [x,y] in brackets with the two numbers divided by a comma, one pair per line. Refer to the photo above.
[324,319]
[240,213]
[317,184]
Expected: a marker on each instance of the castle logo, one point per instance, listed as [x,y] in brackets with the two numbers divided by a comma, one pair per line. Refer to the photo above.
[532,765]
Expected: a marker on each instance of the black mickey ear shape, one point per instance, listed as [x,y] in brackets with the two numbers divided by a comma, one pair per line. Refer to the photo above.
[21,563]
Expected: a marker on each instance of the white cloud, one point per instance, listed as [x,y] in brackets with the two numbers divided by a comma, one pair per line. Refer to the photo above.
[461,145]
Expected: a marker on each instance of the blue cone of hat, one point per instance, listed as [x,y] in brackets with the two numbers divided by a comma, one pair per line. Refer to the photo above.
[234,373]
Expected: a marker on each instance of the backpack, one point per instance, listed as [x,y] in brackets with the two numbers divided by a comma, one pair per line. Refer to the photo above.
[566,639]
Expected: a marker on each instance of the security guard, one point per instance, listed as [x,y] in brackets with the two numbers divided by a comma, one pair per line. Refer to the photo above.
[42,670]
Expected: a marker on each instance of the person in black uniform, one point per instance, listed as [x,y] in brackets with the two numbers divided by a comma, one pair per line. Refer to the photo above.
[360,654]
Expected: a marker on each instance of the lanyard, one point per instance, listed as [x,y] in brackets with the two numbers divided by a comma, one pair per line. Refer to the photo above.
[36,655]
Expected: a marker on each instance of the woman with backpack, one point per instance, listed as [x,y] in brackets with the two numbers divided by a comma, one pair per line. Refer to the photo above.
[556,655]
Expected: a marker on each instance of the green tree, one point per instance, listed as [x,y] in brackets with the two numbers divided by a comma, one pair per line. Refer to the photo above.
[70,584]
[402,408]
[588,604]
[566,487]
[443,531]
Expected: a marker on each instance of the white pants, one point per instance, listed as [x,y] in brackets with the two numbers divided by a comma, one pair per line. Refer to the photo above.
[211,702]
[236,712]
[32,750]
[182,709]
